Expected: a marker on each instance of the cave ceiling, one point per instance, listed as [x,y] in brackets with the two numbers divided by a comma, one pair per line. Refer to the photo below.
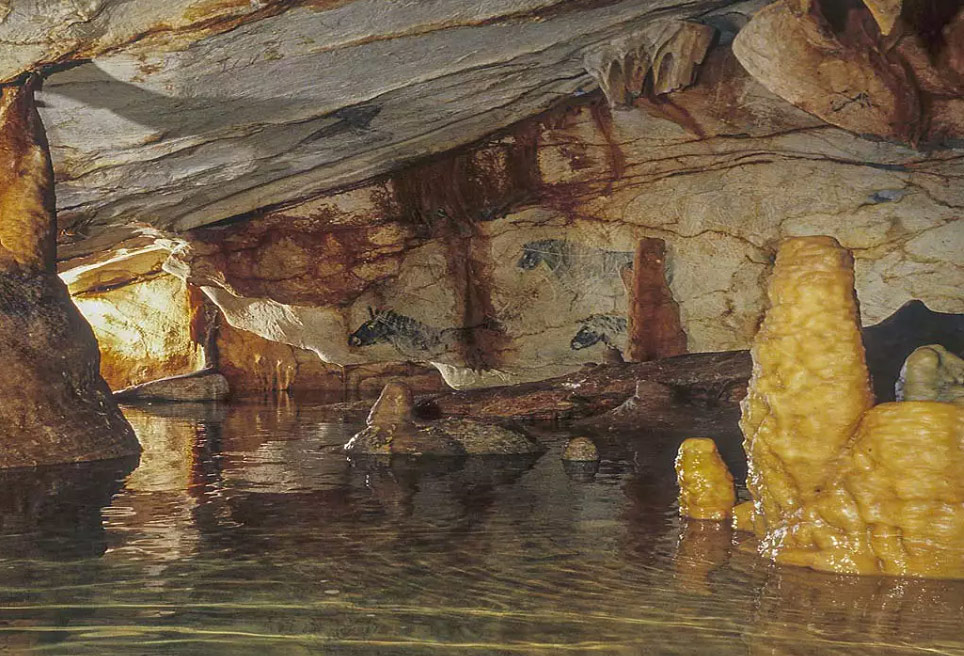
[185,113]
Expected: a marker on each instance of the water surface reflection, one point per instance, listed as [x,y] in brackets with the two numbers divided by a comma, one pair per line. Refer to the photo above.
[244,530]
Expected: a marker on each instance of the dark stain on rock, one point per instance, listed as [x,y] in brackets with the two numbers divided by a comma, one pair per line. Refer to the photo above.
[479,183]
[602,116]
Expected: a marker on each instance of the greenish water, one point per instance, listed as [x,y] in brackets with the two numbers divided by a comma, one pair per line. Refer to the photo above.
[244,530]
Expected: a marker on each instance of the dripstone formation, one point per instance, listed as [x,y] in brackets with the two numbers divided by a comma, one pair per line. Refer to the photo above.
[837,484]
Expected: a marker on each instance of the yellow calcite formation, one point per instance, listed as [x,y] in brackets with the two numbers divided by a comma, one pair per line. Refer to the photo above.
[836,485]
[55,407]
[810,385]
[897,506]
[932,373]
[742,519]
[705,484]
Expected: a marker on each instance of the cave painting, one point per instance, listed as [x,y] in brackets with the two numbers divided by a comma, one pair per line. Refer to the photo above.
[610,329]
[572,262]
[409,336]
[837,484]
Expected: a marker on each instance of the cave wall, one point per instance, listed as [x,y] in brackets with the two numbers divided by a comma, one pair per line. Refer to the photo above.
[512,258]
[255,366]
[488,262]
[144,319]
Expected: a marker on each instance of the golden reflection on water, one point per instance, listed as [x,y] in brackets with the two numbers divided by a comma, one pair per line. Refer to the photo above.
[245,530]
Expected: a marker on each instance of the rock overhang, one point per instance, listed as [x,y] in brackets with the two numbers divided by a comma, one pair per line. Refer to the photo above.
[216,109]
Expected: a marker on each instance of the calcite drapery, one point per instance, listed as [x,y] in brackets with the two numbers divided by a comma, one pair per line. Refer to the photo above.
[56,407]
[839,486]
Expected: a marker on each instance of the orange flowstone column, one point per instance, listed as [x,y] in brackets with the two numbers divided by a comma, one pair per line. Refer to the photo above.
[654,322]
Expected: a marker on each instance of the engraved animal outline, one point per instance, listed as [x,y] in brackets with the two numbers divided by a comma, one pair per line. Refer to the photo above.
[567,260]
[407,335]
[582,271]
[596,328]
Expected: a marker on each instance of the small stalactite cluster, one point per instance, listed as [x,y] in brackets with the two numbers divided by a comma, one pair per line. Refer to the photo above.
[658,59]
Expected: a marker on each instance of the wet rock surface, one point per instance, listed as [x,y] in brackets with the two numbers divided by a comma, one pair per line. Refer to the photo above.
[700,378]
[195,387]
[392,430]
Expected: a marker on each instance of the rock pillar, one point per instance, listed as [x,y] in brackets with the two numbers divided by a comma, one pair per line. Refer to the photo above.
[654,322]
[55,407]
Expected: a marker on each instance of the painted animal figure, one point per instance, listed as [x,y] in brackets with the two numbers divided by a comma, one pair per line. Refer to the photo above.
[596,328]
[567,259]
[409,336]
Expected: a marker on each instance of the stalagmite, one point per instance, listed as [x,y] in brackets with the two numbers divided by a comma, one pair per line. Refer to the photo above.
[839,486]
[705,484]
[56,408]
[810,385]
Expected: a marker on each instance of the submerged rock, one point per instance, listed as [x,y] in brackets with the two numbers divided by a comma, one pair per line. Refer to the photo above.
[391,430]
[580,449]
[194,387]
